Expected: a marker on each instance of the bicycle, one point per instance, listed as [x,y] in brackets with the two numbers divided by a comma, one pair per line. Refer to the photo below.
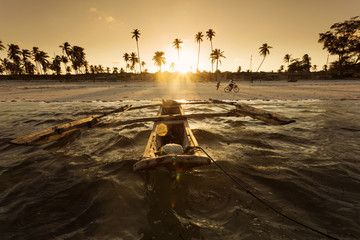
[235,88]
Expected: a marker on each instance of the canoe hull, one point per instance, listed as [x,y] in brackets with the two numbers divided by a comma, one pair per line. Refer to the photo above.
[178,163]
[178,133]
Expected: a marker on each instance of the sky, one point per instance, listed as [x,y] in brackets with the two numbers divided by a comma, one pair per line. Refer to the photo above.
[104,29]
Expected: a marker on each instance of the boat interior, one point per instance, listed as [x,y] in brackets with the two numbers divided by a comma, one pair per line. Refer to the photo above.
[176,129]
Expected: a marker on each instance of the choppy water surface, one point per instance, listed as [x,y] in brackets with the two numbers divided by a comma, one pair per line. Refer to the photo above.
[83,186]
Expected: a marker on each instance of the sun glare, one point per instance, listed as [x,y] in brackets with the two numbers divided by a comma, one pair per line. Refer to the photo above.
[186,63]
[183,67]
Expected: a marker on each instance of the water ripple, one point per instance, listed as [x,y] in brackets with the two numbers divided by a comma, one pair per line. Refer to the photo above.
[83,186]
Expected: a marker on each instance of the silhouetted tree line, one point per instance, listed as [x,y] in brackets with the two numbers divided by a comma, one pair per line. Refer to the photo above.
[24,61]
[298,65]
[342,40]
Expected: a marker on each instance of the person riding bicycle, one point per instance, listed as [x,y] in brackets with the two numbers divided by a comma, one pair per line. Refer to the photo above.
[231,84]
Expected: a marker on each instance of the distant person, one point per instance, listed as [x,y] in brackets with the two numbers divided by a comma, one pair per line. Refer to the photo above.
[217,85]
[231,84]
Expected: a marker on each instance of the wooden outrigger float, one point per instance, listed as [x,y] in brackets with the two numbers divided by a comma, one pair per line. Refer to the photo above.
[171,143]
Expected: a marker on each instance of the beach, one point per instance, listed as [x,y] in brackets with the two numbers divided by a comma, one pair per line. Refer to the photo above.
[108,91]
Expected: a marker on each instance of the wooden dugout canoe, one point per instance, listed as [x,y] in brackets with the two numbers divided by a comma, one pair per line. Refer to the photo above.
[177,135]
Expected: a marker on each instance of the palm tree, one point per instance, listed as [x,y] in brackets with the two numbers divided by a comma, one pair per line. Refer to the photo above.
[133,60]
[56,65]
[64,60]
[14,54]
[210,34]
[216,55]
[100,69]
[287,59]
[172,66]
[264,51]
[136,34]
[86,66]
[35,52]
[25,55]
[42,56]
[68,70]
[176,45]
[77,57]
[92,69]
[7,65]
[126,57]
[2,47]
[2,66]
[2,69]
[143,64]
[281,68]
[306,64]
[198,39]
[159,59]
[314,68]
[66,49]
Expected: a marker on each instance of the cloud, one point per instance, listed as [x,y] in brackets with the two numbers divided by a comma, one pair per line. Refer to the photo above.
[101,16]
[109,19]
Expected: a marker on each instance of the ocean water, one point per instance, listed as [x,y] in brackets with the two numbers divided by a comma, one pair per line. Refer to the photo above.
[83,186]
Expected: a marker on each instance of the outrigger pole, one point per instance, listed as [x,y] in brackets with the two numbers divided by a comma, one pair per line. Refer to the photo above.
[59,131]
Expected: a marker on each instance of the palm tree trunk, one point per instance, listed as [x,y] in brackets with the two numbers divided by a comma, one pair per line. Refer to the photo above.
[137,44]
[212,64]
[40,69]
[341,61]
[260,64]
[216,72]
[197,66]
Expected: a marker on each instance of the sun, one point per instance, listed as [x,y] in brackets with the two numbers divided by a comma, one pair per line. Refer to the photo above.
[183,64]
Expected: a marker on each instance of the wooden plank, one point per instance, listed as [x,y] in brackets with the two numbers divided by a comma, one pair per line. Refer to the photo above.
[263,115]
[59,131]
[178,117]
[145,106]
[181,103]
[38,137]
[260,114]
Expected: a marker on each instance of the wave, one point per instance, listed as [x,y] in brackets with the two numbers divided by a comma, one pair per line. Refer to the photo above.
[83,186]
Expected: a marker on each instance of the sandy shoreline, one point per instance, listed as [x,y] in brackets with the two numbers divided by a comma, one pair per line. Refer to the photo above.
[145,90]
